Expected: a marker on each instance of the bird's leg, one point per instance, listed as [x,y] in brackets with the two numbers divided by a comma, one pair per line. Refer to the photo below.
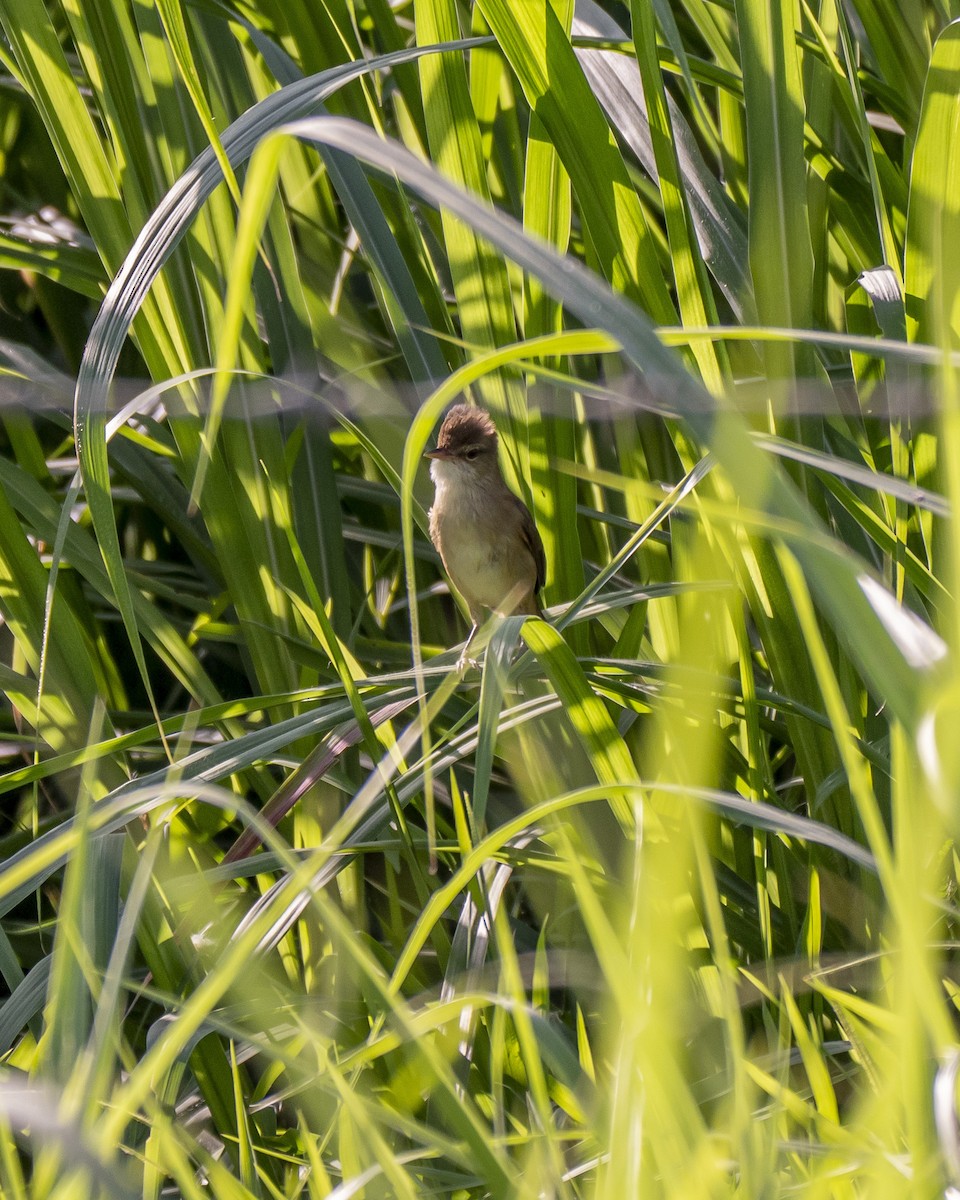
[464,661]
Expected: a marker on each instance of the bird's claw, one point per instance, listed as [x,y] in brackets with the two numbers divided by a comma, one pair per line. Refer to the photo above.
[464,662]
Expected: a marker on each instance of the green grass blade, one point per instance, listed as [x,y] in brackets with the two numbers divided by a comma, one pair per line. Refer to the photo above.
[563,102]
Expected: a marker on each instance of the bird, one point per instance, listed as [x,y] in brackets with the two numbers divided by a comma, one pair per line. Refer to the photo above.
[486,537]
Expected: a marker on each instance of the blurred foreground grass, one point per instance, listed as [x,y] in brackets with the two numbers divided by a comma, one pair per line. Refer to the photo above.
[663,903]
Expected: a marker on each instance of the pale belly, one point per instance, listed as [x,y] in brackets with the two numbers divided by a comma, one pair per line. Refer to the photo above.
[487,561]
[486,577]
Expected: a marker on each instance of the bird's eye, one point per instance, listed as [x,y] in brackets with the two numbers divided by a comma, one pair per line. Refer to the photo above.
[472,453]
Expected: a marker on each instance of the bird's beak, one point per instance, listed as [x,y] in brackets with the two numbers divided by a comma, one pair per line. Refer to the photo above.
[438,453]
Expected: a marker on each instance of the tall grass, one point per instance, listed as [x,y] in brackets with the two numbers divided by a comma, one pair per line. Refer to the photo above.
[663,902]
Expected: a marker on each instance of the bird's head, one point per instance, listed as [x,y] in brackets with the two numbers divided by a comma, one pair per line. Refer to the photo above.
[466,444]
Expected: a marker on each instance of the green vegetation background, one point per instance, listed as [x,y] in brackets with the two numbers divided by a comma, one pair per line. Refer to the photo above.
[663,903]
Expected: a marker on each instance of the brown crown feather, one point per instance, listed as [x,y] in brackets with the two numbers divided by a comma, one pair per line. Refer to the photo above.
[464,425]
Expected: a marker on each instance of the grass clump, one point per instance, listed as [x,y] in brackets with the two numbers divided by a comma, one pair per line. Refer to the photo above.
[662,902]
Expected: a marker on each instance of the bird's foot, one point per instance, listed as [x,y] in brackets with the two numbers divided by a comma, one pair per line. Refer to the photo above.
[465,660]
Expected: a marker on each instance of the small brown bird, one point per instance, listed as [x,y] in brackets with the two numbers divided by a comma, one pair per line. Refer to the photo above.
[485,534]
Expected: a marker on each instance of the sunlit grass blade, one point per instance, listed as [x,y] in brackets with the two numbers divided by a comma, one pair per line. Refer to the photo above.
[609,208]
[781,258]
